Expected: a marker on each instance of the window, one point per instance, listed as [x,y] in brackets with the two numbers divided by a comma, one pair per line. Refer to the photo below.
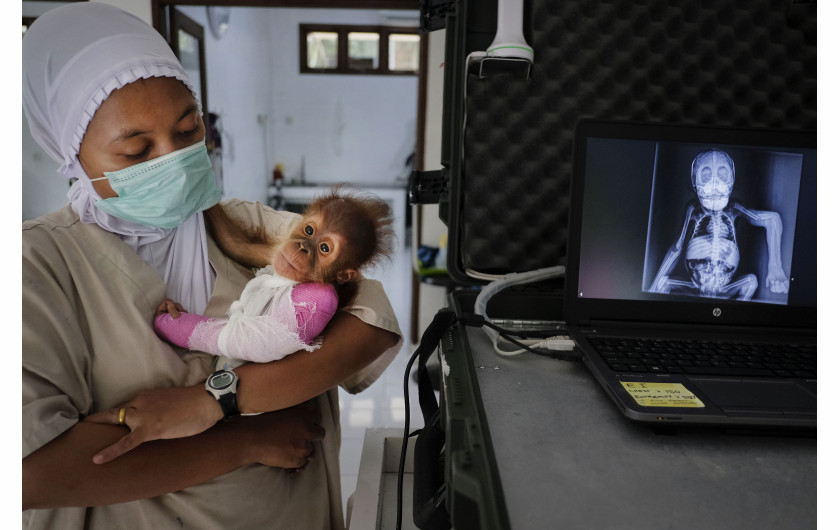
[321,50]
[359,50]
[363,50]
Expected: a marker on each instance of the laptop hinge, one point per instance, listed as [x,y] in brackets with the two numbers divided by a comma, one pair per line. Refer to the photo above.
[695,328]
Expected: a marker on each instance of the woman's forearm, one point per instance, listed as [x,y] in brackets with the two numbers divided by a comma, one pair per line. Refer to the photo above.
[62,473]
[173,413]
[349,345]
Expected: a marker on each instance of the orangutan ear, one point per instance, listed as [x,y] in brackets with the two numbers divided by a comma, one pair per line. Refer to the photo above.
[347,275]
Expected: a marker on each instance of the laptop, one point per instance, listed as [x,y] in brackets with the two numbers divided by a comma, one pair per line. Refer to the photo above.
[691,284]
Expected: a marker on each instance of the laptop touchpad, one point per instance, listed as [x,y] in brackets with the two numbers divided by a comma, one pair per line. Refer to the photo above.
[764,396]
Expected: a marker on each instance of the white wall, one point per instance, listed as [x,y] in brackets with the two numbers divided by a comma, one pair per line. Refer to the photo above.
[348,128]
[43,190]
[357,128]
[239,85]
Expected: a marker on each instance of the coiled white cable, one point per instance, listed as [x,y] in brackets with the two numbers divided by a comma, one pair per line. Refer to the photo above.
[508,280]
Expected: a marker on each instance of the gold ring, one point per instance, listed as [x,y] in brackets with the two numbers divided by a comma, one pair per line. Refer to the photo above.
[121,420]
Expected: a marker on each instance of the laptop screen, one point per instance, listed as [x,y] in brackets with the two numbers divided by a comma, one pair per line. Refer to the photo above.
[693,224]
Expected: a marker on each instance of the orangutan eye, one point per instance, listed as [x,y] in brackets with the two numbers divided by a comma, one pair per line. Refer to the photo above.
[324,248]
[308,230]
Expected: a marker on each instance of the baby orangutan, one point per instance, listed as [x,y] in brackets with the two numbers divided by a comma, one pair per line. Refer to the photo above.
[305,278]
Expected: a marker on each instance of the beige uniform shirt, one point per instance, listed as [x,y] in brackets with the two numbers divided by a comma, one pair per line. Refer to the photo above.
[88,344]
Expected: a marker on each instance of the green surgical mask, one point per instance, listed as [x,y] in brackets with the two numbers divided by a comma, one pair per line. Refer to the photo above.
[163,192]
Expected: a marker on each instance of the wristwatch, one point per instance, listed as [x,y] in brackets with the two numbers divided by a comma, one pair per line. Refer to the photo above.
[222,385]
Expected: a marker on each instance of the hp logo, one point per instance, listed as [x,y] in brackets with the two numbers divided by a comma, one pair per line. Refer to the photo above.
[716,311]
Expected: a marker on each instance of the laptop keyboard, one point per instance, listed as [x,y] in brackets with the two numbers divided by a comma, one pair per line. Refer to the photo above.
[696,357]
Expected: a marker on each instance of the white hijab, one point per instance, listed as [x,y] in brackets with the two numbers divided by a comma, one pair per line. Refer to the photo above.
[74,56]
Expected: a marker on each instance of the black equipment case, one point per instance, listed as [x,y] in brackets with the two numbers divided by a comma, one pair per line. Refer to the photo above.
[509,128]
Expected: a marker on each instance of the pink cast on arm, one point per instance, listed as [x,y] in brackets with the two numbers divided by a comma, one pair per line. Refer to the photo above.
[177,331]
[313,304]
[325,298]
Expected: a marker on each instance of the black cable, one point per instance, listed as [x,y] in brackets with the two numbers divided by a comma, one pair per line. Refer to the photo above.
[478,321]
[404,446]
[514,341]
[431,337]
[468,319]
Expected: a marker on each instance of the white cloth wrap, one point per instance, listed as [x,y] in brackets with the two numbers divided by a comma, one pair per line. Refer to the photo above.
[261,325]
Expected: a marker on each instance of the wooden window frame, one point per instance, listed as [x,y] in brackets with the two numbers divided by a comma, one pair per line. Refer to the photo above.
[343,67]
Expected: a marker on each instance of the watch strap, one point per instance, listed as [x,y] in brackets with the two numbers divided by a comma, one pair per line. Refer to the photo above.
[229,404]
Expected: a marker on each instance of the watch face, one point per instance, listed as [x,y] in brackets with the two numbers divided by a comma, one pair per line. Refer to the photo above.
[222,380]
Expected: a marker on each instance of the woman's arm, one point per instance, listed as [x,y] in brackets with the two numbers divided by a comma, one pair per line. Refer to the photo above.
[62,473]
[349,345]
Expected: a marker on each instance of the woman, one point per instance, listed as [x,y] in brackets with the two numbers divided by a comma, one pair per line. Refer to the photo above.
[107,99]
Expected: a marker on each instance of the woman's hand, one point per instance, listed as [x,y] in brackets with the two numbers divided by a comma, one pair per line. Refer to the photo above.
[284,438]
[159,414]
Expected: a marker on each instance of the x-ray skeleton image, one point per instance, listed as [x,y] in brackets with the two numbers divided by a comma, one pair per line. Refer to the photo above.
[707,258]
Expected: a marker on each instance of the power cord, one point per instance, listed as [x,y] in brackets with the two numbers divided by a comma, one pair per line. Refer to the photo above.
[442,322]
[557,343]
[406,436]
[508,280]
[552,345]
[556,346]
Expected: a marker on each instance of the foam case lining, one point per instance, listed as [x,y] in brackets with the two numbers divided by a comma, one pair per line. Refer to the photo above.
[748,63]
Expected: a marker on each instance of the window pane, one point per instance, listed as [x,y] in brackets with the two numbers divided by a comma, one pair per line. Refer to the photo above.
[321,49]
[363,50]
[404,52]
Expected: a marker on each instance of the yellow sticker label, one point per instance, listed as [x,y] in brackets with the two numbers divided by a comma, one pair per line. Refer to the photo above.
[662,395]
